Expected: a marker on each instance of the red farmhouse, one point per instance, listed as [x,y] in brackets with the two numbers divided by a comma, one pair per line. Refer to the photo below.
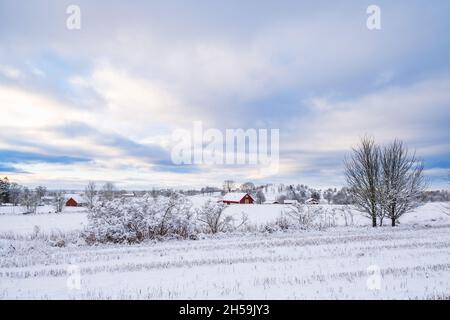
[71,203]
[237,198]
[74,200]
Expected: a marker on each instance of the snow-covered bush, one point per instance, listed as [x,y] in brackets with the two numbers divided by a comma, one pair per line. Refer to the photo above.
[213,219]
[306,217]
[301,214]
[134,220]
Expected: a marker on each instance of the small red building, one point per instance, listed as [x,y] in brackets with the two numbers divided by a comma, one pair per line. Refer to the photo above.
[71,203]
[74,200]
[237,198]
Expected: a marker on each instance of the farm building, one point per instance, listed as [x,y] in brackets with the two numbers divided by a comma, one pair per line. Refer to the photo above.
[74,200]
[237,198]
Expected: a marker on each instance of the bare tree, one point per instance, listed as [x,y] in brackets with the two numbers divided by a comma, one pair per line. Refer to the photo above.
[248,187]
[402,180]
[108,191]
[40,193]
[90,194]
[228,185]
[59,202]
[362,173]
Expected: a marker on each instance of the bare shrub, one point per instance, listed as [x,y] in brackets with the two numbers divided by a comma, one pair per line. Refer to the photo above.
[301,214]
[212,216]
[310,217]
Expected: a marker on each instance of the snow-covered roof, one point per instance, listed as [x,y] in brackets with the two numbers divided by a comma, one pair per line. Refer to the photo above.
[234,196]
[290,201]
[77,197]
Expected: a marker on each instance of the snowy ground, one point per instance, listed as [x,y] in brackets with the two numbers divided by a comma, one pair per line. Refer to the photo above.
[413,262]
[71,219]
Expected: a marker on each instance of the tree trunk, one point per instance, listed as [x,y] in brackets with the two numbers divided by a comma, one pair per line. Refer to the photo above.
[374,221]
[393,222]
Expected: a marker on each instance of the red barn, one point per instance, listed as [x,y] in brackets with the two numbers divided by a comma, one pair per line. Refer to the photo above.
[71,203]
[237,198]
[74,200]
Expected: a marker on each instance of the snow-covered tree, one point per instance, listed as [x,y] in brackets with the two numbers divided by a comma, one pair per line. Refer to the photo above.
[291,193]
[281,198]
[29,200]
[301,193]
[435,196]
[260,197]
[176,213]
[4,190]
[315,194]
[306,217]
[212,215]
[14,193]
[342,197]
[40,193]
[328,195]
[301,214]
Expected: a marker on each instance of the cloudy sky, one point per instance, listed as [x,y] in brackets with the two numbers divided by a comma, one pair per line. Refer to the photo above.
[101,103]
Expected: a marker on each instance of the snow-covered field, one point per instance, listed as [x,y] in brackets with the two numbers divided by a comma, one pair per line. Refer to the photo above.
[412,261]
[71,219]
